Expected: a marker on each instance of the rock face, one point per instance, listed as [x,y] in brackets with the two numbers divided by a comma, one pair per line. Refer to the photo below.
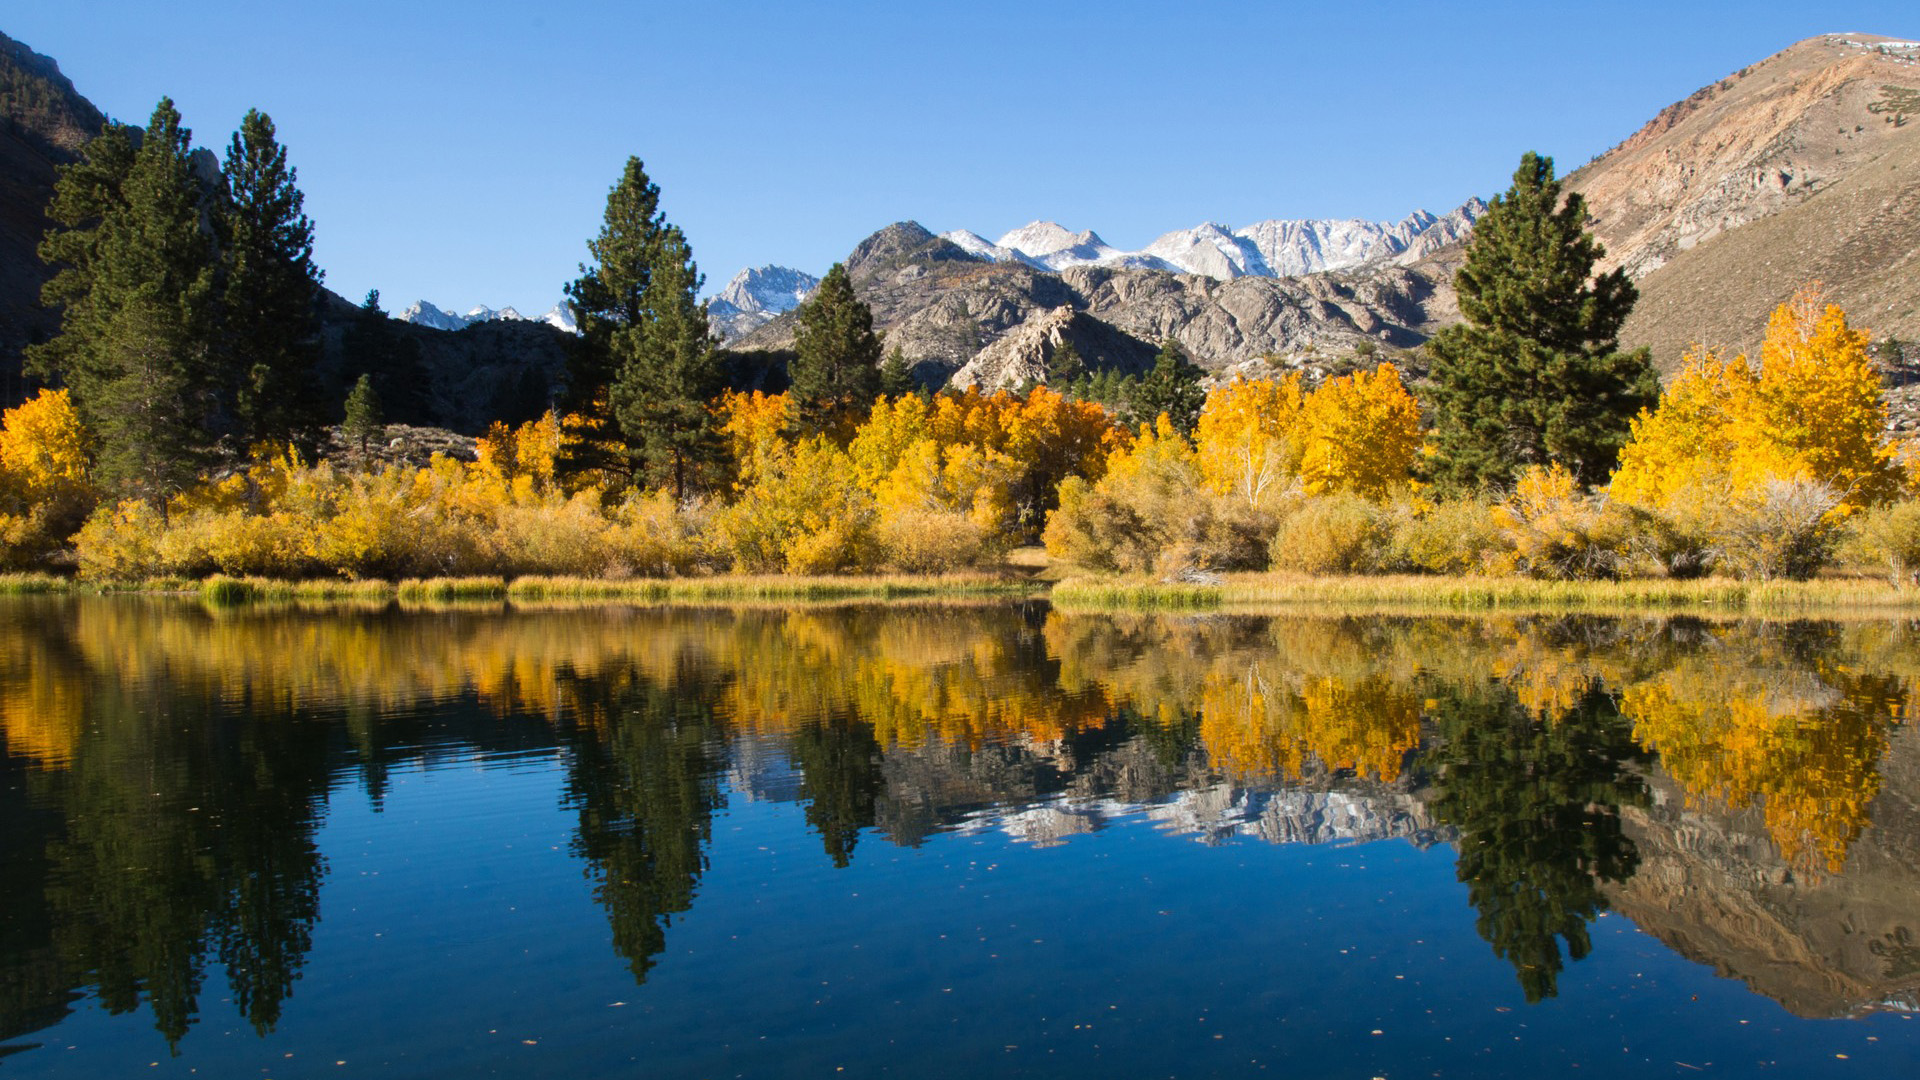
[43,124]
[964,317]
[1804,166]
[755,296]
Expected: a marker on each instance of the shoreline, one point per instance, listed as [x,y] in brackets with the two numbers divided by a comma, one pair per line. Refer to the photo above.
[1250,593]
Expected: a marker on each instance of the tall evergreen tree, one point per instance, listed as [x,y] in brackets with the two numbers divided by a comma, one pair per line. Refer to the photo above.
[1172,387]
[609,298]
[136,289]
[836,363]
[1535,375]
[669,371]
[270,317]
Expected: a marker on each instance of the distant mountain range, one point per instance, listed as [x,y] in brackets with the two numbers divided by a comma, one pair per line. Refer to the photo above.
[1269,249]
[1276,248]
[422,313]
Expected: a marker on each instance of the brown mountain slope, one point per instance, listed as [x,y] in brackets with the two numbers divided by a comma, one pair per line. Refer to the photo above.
[43,123]
[1802,166]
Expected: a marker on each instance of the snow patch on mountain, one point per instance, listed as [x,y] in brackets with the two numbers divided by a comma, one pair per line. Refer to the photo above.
[1275,248]
[423,313]
[755,296]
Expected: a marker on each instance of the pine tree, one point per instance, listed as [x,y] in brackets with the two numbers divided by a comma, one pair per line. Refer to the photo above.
[835,370]
[1535,375]
[270,339]
[136,289]
[363,423]
[609,298]
[896,375]
[669,371]
[1172,387]
[1064,367]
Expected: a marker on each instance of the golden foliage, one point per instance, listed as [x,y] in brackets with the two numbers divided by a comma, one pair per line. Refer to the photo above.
[1811,412]
[1247,441]
[1360,434]
[45,492]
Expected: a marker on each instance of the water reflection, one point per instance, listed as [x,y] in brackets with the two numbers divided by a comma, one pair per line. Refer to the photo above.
[166,768]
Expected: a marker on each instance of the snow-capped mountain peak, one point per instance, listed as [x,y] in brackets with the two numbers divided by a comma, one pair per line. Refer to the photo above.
[1043,238]
[755,295]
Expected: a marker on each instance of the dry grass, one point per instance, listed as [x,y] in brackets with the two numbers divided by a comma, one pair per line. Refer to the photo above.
[764,587]
[1412,592]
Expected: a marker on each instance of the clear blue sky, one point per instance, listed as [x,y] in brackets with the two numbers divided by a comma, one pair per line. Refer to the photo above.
[461,152]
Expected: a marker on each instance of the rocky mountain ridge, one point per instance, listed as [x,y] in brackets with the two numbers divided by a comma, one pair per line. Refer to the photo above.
[424,314]
[756,295]
[1804,166]
[1273,248]
[965,318]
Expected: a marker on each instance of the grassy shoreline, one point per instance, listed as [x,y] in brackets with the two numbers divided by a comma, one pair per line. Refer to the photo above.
[1412,593]
[1249,593]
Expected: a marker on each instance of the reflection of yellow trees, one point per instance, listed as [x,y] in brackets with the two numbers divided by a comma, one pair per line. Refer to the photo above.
[1806,743]
[1254,728]
[964,676]
[913,676]
[1793,720]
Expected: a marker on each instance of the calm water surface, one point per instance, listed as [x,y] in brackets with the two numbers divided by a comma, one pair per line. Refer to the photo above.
[952,841]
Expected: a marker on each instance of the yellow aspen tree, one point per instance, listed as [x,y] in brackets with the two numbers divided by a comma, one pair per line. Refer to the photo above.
[1360,434]
[1811,411]
[1248,438]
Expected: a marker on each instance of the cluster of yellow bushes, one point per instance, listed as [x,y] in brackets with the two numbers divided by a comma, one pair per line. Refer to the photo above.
[502,514]
[923,485]
[44,492]
[1763,471]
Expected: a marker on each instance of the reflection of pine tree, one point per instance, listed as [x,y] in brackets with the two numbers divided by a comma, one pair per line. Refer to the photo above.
[646,782]
[216,819]
[1537,802]
[36,985]
[839,765]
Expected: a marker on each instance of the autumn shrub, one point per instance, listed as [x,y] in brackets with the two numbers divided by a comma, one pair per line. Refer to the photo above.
[273,545]
[924,541]
[121,542]
[1554,529]
[1454,536]
[1886,538]
[1781,529]
[803,514]
[651,535]
[1333,534]
[554,534]
[1150,499]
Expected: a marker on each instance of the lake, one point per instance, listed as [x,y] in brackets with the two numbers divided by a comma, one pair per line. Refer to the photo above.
[957,840]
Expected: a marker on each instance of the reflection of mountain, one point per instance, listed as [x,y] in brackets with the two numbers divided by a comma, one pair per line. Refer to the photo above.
[1714,887]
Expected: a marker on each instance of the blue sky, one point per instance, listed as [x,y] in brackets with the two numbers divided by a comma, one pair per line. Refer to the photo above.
[461,152]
